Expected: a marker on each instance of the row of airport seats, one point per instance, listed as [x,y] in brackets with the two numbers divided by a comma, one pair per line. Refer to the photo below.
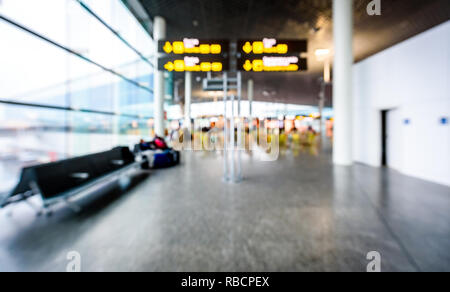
[59,181]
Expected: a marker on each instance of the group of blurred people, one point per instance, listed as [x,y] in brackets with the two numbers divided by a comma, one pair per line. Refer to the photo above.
[298,140]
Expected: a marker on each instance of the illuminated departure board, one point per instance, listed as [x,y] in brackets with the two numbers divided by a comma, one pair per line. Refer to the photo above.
[272,64]
[252,55]
[271,55]
[192,46]
[271,46]
[194,55]
[193,64]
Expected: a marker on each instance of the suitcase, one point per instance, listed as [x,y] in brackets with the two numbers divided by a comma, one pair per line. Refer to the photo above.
[162,159]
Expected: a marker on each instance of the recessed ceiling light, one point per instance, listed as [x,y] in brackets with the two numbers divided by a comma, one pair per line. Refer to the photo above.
[322,52]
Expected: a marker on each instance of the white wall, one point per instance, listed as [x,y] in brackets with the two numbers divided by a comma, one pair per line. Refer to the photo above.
[413,79]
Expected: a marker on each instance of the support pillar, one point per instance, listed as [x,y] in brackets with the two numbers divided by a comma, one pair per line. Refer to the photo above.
[225,128]
[187,100]
[250,92]
[232,142]
[159,33]
[240,127]
[321,107]
[252,132]
[342,87]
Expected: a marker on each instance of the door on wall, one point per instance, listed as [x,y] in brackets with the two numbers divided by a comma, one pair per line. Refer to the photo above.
[391,145]
[384,137]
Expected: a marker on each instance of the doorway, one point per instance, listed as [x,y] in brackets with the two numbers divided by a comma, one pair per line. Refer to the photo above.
[384,137]
[392,147]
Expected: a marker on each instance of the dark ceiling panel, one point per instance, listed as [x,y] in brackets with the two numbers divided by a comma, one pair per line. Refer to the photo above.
[310,19]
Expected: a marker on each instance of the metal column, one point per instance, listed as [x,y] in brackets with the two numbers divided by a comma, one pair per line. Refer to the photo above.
[232,165]
[225,127]
[321,106]
[252,132]
[250,92]
[232,141]
[239,130]
[187,100]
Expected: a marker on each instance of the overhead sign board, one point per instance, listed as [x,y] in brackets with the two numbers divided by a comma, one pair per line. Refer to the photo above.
[284,63]
[193,46]
[271,46]
[254,55]
[193,64]
[272,55]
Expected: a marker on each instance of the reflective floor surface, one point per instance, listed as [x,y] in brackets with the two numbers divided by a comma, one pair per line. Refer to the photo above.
[296,214]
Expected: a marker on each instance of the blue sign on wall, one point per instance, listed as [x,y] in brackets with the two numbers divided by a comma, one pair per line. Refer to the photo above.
[444,121]
[406,121]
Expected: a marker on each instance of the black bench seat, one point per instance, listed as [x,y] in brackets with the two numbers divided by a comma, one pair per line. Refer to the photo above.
[64,179]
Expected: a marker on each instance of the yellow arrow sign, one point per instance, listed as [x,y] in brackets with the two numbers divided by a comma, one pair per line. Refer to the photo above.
[248,66]
[168,48]
[248,48]
[169,66]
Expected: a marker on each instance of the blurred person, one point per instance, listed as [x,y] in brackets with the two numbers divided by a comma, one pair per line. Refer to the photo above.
[214,135]
[310,136]
[296,142]
[283,141]
[204,137]
[175,133]
[329,127]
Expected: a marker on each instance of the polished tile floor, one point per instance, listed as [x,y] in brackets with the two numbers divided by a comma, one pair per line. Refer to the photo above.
[295,214]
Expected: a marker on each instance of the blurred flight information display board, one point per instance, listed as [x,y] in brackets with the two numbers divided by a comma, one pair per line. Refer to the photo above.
[272,46]
[194,55]
[193,46]
[264,55]
[208,63]
[272,55]
[272,64]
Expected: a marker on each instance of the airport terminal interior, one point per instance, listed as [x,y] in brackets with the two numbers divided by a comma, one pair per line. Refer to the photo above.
[225,135]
